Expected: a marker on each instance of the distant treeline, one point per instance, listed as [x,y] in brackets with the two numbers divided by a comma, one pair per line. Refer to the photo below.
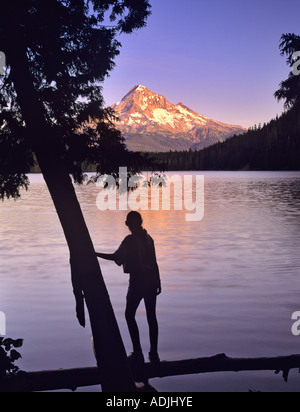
[273,146]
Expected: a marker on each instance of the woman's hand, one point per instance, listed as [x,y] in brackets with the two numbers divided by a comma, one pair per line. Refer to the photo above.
[106,256]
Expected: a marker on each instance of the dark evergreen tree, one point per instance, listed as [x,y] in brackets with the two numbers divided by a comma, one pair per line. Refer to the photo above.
[290,88]
[57,53]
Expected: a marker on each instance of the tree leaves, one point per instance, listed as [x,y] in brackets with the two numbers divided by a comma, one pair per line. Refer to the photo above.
[8,355]
[69,52]
[289,89]
[14,355]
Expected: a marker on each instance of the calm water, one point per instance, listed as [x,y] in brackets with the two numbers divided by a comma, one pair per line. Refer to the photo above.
[230,282]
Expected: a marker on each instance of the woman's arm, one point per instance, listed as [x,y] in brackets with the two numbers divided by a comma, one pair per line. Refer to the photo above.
[156,269]
[159,288]
[106,256]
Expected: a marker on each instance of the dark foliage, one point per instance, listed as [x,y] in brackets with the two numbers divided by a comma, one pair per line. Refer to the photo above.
[9,355]
[69,51]
[290,88]
[275,146]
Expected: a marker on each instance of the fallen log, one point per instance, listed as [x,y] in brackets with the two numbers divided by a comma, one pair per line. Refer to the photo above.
[222,363]
[72,379]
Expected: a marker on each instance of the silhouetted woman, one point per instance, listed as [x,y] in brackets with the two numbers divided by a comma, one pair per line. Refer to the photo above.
[138,257]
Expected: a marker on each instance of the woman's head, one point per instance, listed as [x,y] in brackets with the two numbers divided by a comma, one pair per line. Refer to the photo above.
[134,221]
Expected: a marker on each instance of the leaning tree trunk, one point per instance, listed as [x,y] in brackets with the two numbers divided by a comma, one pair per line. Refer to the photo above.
[86,273]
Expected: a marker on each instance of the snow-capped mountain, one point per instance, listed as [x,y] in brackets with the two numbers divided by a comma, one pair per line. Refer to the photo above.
[150,123]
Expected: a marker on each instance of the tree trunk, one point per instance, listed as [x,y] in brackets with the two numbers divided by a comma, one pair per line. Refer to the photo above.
[86,274]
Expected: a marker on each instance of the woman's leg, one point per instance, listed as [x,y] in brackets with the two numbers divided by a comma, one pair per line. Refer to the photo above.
[150,304]
[133,302]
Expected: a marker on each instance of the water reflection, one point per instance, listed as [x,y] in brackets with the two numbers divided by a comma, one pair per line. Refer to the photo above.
[231,282]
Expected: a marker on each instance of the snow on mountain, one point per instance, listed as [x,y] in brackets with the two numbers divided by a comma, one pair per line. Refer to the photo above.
[150,122]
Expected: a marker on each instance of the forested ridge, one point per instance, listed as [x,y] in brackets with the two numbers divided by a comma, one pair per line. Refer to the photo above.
[273,146]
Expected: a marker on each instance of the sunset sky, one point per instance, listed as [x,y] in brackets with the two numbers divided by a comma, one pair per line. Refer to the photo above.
[220,58]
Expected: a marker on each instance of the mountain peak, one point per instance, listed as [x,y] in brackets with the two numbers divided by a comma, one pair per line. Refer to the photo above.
[135,89]
[141,88]
[142,112]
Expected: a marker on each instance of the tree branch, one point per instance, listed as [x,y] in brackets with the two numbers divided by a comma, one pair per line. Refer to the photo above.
[74,378]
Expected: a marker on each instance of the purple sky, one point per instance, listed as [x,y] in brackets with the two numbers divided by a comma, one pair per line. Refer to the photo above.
[219,57]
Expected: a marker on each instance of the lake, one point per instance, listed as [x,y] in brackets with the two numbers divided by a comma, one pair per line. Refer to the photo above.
[231,282]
